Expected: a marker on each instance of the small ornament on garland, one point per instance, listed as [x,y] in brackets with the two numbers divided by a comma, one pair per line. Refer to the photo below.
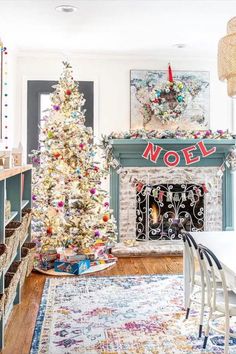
[139,186]
[204,187]
[161,195]
[169,100]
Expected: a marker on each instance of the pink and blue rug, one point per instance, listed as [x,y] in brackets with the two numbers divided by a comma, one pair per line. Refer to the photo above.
[118,315]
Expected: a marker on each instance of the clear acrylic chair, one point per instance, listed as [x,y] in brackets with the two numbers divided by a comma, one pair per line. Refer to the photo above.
[220,300]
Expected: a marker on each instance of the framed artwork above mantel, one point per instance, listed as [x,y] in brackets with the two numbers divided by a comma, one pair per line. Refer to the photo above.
[146,86]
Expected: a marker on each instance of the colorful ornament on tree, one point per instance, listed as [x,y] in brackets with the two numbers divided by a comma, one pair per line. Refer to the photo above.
[81,146]
[68,92]
[56,154]
[56,107]
[93,190]
[105,217]
[49,230]
[50,135]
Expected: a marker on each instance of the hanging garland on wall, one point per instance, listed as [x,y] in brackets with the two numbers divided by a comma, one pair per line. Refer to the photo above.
[4,70]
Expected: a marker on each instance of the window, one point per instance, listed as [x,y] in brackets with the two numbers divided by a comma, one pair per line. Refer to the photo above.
[38,101]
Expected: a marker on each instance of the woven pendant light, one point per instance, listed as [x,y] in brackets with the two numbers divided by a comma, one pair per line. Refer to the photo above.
[227,57]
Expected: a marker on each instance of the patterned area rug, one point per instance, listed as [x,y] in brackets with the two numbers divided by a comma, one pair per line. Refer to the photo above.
[117,315]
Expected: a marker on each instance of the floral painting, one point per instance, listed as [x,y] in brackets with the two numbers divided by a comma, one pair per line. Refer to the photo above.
[160,103]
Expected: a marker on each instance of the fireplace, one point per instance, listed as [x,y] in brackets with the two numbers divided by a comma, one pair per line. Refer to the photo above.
[164,200]
[164,210]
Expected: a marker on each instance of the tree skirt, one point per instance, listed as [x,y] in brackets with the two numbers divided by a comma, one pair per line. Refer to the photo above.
[129,314]
[92,269]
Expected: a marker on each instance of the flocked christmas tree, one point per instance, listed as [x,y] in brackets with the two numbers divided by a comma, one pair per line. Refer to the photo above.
[70,207]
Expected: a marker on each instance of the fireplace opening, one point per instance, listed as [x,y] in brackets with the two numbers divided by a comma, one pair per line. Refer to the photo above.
[162,211]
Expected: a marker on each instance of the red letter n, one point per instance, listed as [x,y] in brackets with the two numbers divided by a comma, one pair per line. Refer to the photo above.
[154,154]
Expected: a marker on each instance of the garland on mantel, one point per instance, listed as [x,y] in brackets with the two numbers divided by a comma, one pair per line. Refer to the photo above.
[167,134]
[229,162]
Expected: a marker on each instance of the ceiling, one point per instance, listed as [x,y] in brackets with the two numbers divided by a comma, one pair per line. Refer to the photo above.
[133,27]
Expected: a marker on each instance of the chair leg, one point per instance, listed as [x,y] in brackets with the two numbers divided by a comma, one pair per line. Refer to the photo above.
[188,309]
[187,313]
[205,342]
[200,331]
[207,329]
[227,335]
[201,313]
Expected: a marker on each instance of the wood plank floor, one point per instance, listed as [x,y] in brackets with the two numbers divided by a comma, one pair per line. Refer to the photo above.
[21,324]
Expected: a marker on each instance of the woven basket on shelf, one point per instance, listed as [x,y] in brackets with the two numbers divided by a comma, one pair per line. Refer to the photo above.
[3,256]
[25,255]
[31,246]
[20,267]
[27,214]
[24,222]
[12,241]
[2,302]
[19,227]
[11,281]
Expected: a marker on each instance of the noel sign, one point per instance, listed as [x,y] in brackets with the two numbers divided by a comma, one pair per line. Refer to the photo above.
[172,158]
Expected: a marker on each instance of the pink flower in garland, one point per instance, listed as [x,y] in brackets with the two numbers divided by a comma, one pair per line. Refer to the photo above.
[60,204]
[208,133]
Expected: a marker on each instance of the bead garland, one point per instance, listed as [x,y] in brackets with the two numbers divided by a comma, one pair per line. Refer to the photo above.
[4,95]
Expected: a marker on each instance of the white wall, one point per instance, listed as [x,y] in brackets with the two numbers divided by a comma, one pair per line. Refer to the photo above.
[112,95]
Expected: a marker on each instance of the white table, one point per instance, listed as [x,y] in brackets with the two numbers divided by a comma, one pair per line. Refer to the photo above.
[223,245]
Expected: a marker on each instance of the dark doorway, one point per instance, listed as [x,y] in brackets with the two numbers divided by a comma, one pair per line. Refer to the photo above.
[38,88]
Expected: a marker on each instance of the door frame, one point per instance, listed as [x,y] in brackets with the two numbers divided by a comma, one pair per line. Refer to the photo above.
[23,97]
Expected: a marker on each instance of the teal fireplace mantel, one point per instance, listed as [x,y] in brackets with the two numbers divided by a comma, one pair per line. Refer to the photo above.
[129,153]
